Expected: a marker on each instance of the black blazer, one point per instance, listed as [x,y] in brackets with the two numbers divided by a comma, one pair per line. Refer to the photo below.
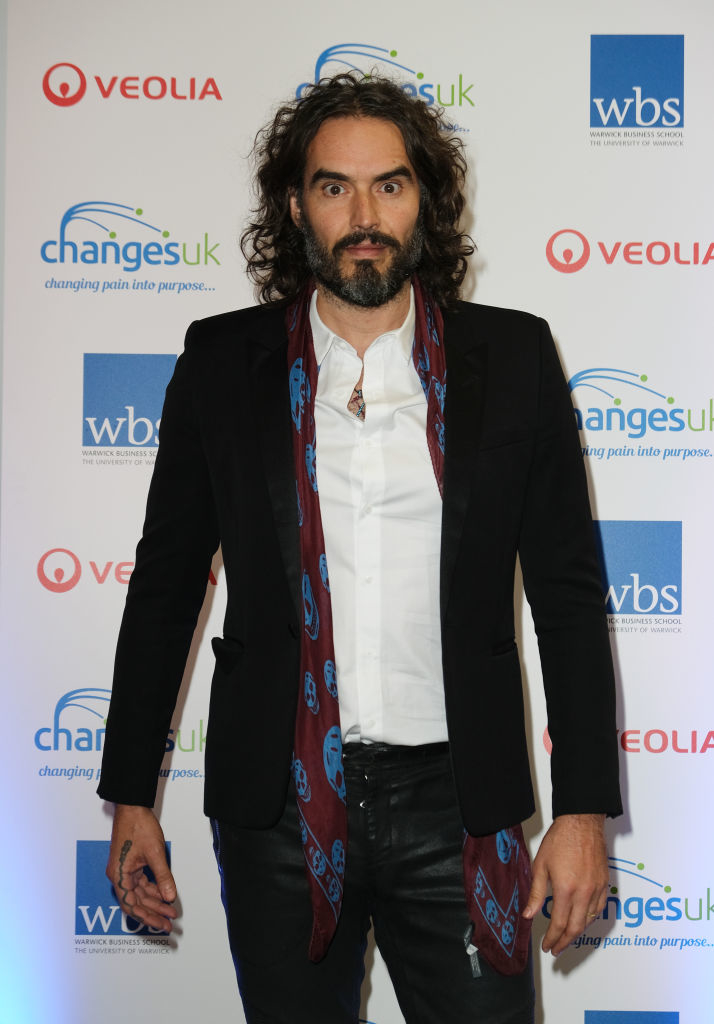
[514,482]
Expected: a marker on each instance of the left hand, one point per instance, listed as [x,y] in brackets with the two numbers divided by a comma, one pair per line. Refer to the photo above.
[573,858]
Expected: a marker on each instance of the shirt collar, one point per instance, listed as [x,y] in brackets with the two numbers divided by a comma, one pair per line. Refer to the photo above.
[323,338]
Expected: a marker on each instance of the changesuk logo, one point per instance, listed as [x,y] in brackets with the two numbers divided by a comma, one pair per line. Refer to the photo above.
[122,238]
[637,81]
[635,408]
[641,564]
[97,911]
[367,58]
[65,84]
[653,902]
[123,397]
[74,722]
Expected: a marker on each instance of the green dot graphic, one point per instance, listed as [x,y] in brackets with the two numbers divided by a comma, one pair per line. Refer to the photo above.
[392,53]
[112,234]
[165,234]
[640,867]
[613,889]
[618,401]
[420,74]
[670,400]
[668,888]
[643,377]
[139,212]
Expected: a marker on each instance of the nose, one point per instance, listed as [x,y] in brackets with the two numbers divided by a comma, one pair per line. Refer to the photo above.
[364,212]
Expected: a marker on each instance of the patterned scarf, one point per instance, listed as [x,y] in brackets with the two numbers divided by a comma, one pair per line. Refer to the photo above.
[496,867]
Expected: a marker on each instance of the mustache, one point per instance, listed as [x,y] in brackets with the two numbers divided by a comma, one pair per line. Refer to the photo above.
[358,237]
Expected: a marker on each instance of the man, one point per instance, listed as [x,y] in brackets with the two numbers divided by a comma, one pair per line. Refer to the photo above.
[371,454]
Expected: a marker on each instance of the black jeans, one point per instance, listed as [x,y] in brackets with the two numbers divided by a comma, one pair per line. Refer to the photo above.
[403,874]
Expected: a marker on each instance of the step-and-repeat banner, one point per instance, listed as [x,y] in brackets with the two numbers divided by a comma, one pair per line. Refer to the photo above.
[588,129]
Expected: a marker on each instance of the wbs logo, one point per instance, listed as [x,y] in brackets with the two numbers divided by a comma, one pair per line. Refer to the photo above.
[116,226]
[123,398]
[641,565]
[97,910]
[69,729]
[631,1017]
[636,81]
[65,84]
[636,409]
[367,57]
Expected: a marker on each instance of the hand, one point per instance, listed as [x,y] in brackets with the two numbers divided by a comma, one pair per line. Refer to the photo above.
[137,841]
[573,857]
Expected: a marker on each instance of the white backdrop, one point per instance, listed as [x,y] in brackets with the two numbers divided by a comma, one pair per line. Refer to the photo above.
[127,186]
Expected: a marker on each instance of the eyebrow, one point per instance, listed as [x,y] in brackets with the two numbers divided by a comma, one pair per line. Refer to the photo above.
[321,174]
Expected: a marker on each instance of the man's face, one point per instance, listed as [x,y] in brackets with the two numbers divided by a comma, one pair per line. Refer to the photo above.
[359,210]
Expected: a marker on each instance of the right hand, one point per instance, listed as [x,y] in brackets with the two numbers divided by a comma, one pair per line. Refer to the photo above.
[138,841]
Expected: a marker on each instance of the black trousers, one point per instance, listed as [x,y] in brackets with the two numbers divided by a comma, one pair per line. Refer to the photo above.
[403,876]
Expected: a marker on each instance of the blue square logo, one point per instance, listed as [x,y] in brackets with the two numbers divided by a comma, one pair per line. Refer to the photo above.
[641,564]
[123,398]
[637,81]
[630,1017]
[97,911]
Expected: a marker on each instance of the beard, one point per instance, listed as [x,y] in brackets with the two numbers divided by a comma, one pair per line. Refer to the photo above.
[366,286]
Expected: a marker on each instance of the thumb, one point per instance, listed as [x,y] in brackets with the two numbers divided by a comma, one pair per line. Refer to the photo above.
[162,873]
[538,893]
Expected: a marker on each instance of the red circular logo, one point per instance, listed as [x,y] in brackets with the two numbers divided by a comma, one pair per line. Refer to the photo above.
[59,582]
[62,95]
[567,262]
[547,743]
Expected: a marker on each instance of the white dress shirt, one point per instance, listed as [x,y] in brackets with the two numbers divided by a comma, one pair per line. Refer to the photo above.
[381,518]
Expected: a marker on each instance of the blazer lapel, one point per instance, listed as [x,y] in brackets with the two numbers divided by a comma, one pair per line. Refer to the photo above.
[272,404]
[463,415]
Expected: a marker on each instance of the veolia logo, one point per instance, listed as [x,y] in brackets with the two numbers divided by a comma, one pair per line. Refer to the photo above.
[65,84]
[368,58]
[567,250]
[59,570]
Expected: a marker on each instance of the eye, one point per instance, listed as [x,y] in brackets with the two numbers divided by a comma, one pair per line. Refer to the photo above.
[391,188]
[333,189]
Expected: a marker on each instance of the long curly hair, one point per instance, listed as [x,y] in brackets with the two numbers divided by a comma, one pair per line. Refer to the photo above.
[272,244]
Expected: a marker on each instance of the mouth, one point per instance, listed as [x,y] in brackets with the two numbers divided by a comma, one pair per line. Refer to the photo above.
[366,247]
[365,251]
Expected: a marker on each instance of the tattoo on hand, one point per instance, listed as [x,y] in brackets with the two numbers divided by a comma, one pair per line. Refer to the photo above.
[120,881]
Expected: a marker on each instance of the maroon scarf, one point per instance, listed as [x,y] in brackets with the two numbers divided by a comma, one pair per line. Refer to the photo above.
[496,867]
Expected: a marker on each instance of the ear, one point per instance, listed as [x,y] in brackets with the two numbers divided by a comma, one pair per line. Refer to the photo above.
[294,207]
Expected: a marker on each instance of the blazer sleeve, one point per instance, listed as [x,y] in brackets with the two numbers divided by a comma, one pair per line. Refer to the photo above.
[563,586]
[166,592]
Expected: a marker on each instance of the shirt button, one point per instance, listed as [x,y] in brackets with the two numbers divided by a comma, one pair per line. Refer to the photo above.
[368,510]
[368,579]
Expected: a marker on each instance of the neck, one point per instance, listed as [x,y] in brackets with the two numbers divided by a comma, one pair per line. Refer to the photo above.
[360,326]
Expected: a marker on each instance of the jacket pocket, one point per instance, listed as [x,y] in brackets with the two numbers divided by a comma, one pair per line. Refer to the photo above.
[228,652]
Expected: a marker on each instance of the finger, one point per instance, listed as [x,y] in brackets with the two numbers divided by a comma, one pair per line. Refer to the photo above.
[570,918]
[538,893]
[150,910]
